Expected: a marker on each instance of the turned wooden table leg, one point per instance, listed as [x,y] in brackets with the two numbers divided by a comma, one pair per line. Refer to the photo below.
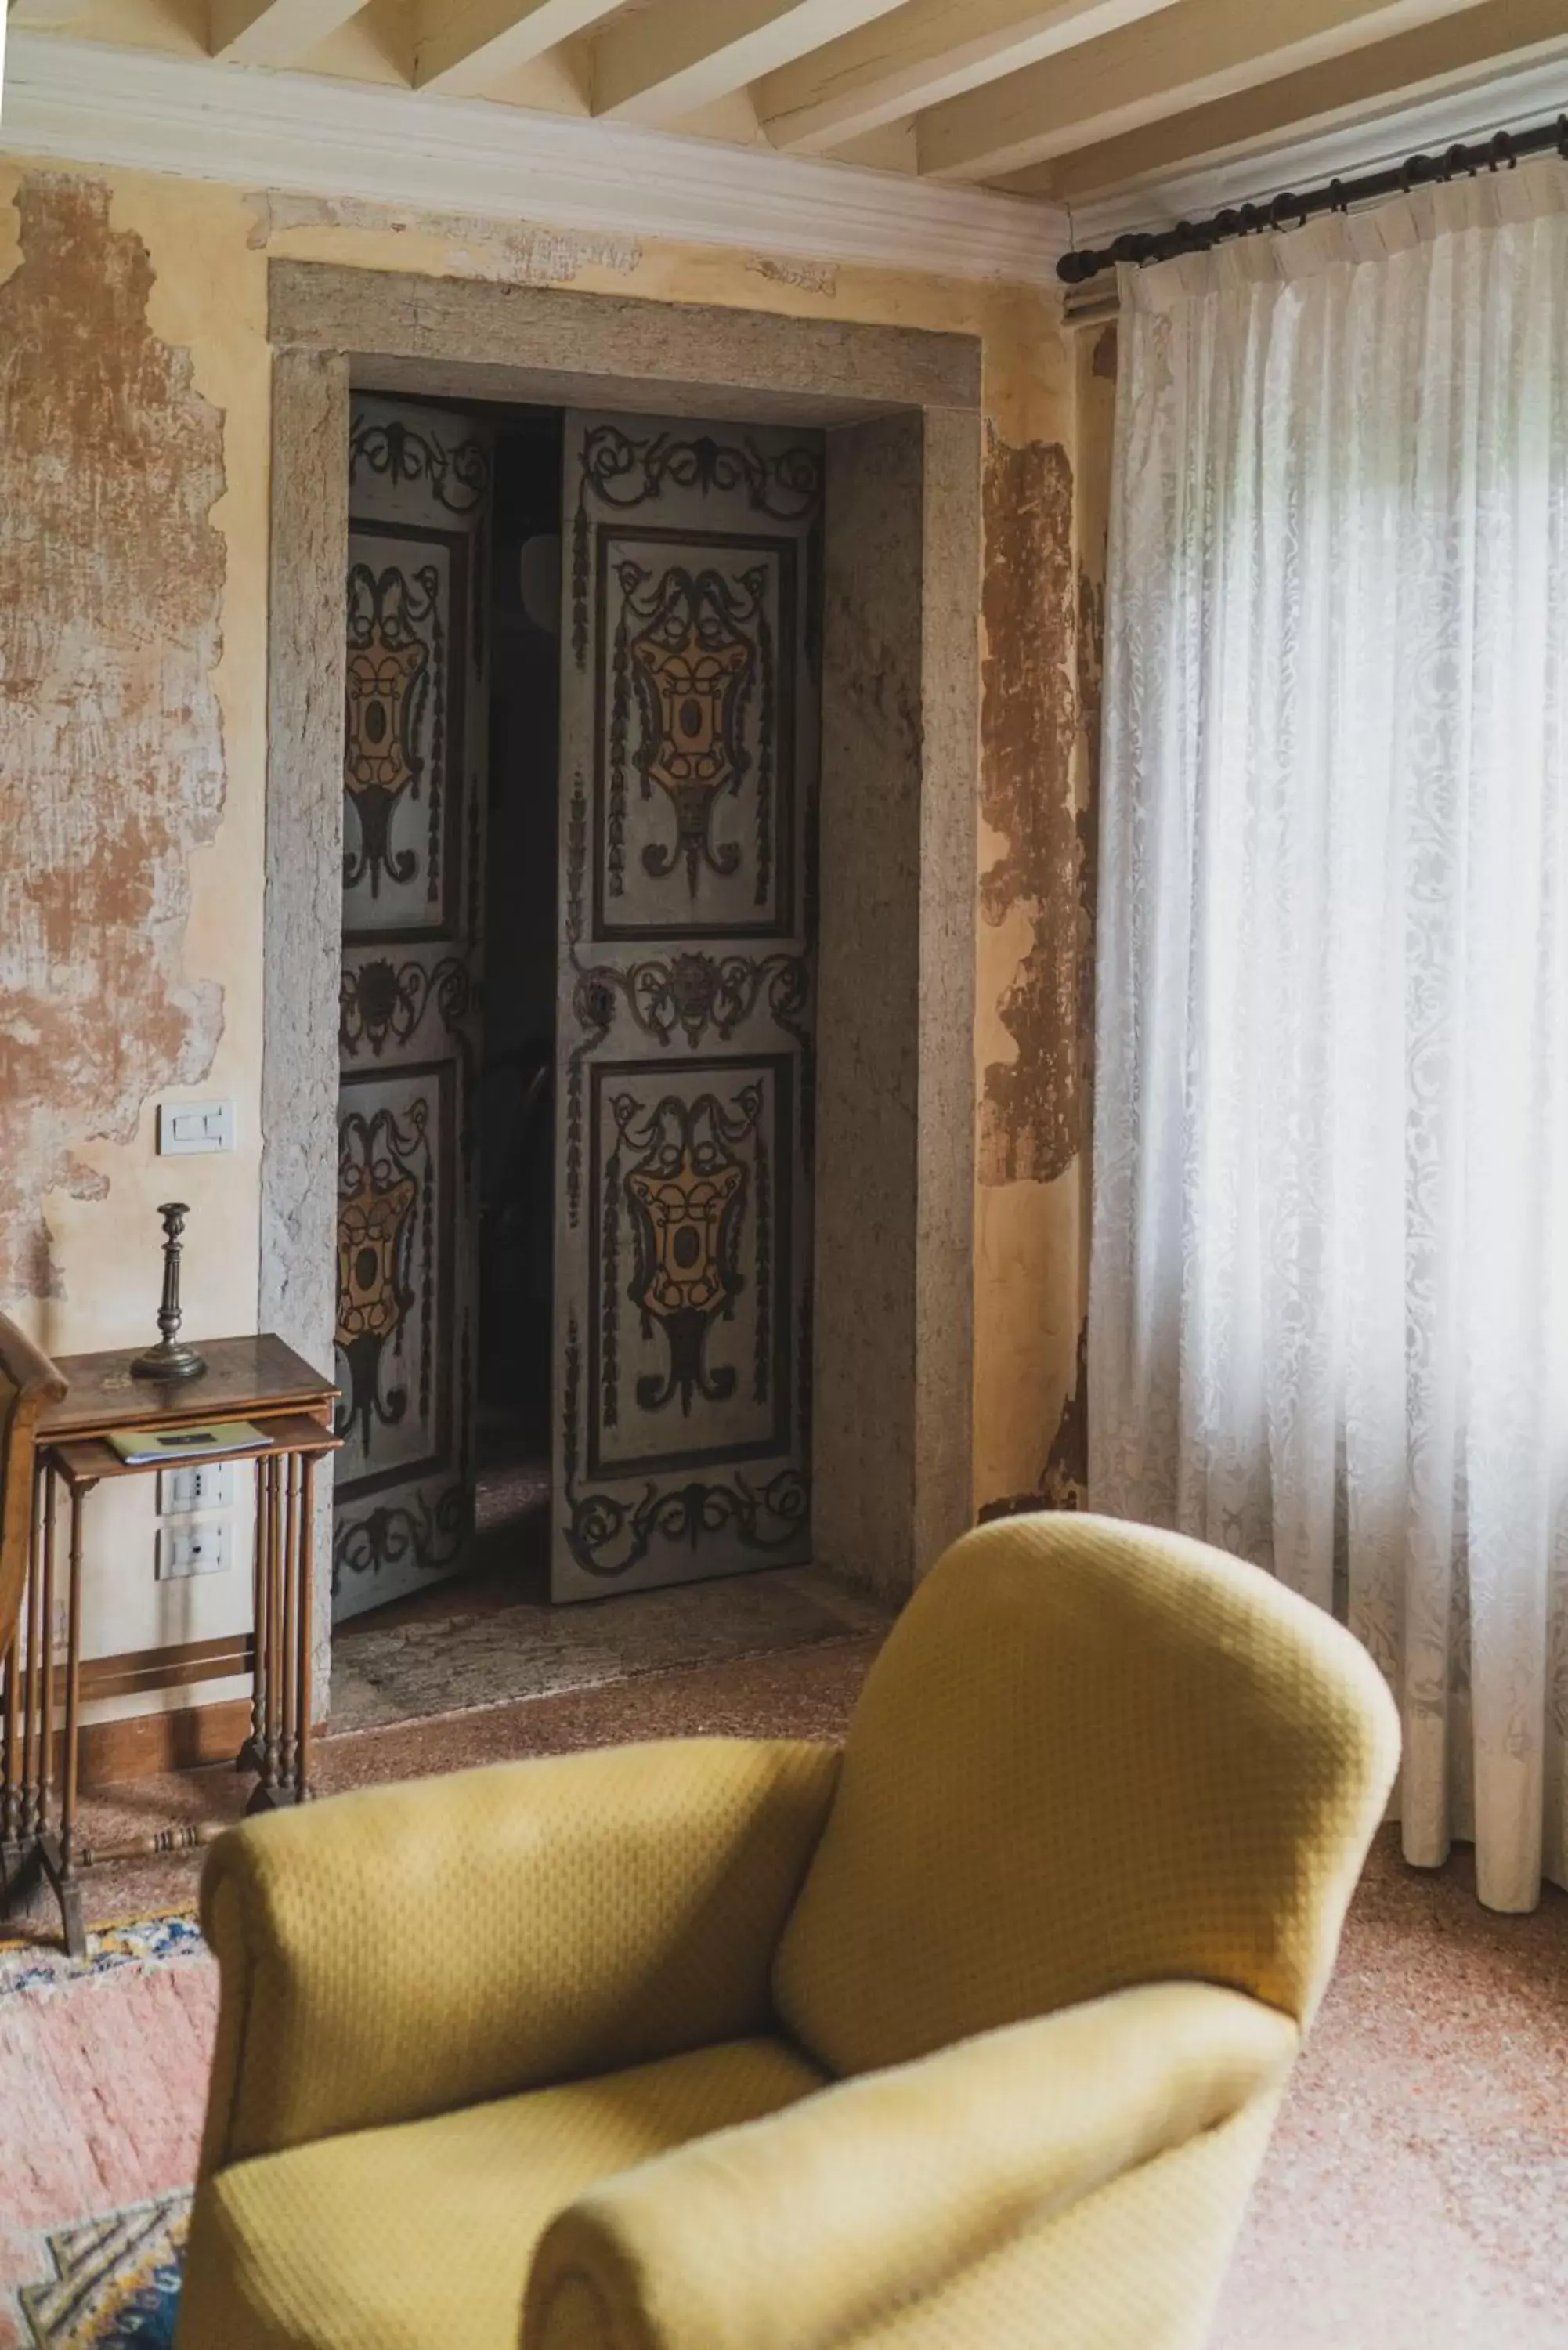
[11,1735]
[251,1754]
[288,1472]
[27,1638]
[288,1606]
[19,1852]
[275,1675]
[58,1853]
[273,1658]
[47,1662]
[73,1689]
[307,1604]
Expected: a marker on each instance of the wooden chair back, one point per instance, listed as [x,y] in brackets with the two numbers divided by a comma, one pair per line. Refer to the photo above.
[28,1381]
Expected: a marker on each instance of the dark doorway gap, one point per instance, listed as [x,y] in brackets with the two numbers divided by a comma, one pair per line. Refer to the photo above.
[516,1104]
[516,1099]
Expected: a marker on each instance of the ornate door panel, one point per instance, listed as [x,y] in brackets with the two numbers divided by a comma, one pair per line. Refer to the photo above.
[414,758]
[686,1008]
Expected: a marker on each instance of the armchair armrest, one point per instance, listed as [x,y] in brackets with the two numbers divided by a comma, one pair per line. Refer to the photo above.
[811,2225]
[413,1948]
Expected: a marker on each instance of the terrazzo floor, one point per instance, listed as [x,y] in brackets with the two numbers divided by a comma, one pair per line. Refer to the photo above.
[1415,2194]
[494,1638]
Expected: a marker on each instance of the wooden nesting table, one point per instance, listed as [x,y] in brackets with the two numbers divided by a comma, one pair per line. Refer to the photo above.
[258,1379]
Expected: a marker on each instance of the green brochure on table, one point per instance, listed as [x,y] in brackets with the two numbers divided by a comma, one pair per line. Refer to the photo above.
[136,1447]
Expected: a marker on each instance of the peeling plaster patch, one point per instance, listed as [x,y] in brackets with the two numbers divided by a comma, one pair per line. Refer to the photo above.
[111,757]
[808,276]
[1091,678]
[1064,1479]
[1031,1108]
[1065,1482]
[521,256]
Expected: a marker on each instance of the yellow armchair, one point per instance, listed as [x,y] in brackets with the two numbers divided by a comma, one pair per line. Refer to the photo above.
[972,2038]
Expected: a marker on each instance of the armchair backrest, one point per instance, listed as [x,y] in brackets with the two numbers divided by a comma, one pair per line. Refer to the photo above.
[27,1382]
[1090,1755]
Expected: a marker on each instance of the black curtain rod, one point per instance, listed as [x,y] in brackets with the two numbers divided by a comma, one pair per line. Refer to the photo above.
[1500,153]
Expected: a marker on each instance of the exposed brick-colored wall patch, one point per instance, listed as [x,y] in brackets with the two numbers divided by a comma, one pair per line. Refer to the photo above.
[1032,1107]
[111,758]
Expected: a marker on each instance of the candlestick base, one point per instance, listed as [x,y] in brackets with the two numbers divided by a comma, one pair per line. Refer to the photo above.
[169,1361]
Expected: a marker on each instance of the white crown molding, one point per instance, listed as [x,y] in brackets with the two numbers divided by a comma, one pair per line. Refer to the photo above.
[84,102]
[1535,90]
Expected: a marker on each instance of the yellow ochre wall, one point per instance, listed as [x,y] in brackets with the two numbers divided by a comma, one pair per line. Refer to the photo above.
[132,774]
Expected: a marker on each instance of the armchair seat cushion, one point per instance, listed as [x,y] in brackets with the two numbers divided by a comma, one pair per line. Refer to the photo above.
[418,2236]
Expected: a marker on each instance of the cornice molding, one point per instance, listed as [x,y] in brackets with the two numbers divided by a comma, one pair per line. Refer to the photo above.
[84,102]
[1473,110]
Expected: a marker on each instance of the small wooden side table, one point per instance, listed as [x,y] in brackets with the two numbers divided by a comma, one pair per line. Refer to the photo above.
[258,1379]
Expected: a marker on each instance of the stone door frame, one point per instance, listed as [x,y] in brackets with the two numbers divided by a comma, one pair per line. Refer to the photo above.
[893,1335]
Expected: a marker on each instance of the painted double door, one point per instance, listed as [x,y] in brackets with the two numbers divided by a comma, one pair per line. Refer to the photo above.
[685,1012]
[420,494]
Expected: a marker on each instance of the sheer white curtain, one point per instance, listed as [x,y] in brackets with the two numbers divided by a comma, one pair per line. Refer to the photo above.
[1329,1287]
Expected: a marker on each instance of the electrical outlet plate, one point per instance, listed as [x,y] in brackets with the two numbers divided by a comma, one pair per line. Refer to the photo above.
[205,1485]
[193,1546]
[185,1127]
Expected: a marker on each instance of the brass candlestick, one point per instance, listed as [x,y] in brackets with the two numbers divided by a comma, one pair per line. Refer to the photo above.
[169,1359]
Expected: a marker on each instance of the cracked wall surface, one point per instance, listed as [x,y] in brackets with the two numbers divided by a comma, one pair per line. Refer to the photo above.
[111,752]
[1046,505]
[1031,1105]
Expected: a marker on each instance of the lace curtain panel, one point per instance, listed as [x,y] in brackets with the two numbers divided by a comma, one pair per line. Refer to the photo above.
[1329,1283]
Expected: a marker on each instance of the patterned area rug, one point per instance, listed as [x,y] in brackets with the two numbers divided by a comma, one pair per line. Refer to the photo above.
[103,2067]
[115,2284]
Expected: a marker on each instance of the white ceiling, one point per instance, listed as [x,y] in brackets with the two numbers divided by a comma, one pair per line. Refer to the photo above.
[1068,101]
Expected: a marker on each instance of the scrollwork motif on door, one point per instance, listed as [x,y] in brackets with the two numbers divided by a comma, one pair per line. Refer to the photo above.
[625,470]
[608,1537]
[693,647]
[456,472]
[384,1222]
[396,664]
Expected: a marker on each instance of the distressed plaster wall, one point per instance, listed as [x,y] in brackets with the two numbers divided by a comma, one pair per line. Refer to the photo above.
[1045,511]
[81,1156]
[112,765]
[133,611]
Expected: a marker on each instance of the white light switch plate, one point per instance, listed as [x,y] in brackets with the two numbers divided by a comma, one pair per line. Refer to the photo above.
[193,1546]
[207,1485]
[184,1128]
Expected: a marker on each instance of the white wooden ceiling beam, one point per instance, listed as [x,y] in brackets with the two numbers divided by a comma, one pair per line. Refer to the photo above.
[464,46]
[273,32]
[1356,88]
[133,110]
[669,59]
[1183,56]
[920,54]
